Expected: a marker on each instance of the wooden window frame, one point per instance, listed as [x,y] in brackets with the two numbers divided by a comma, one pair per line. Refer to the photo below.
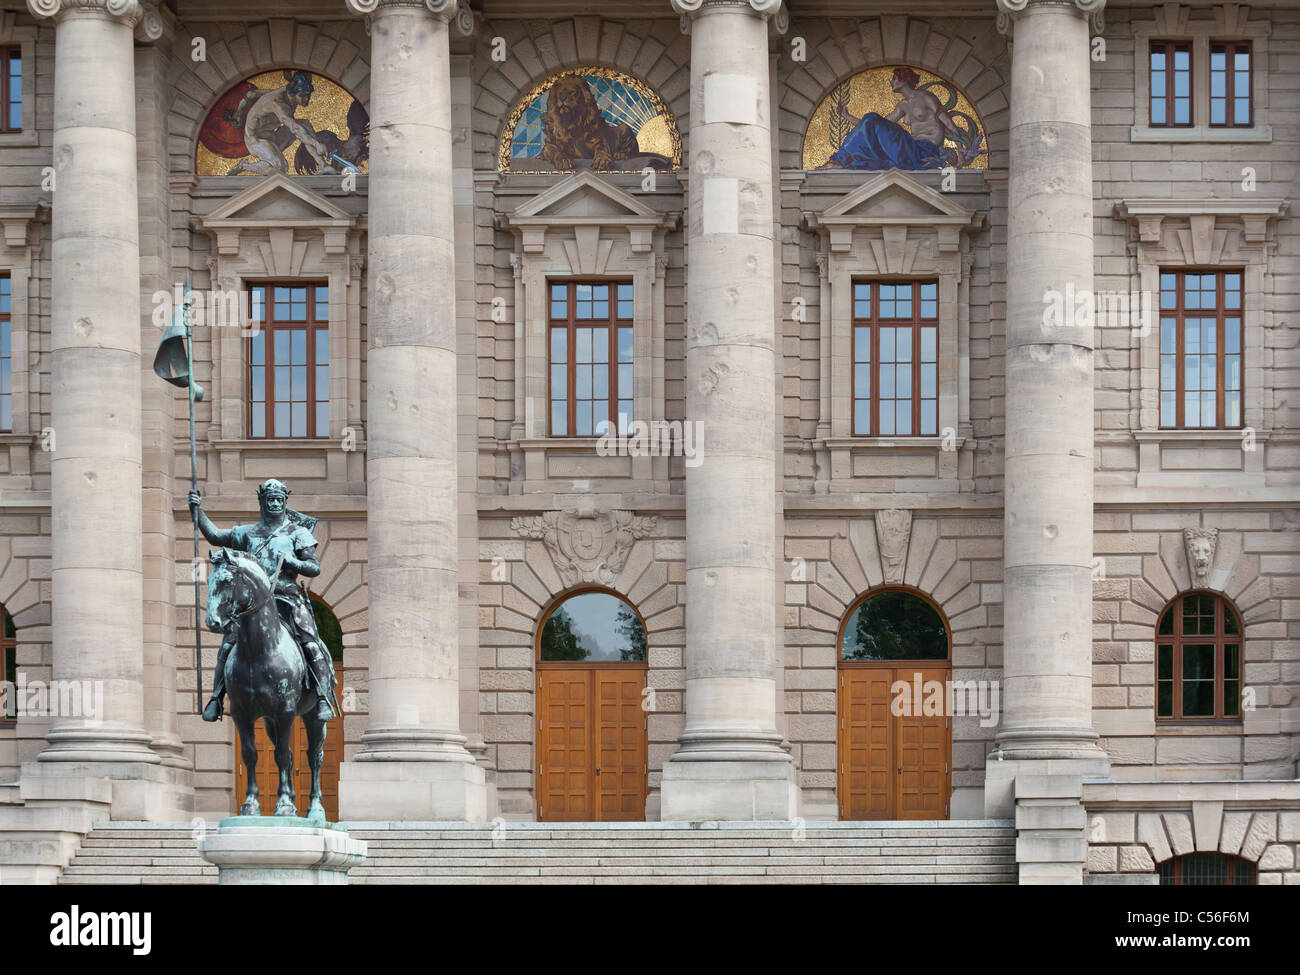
[6,324]
[1230,85]
[570,323]
[1220,313]
[267,328]
[873,323]
[8,52]
[1169,48]
[1219,638]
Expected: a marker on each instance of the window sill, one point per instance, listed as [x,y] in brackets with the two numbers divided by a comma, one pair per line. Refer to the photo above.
[289,443]
[1194,436]
[1221,726]
[877,443]
[1201,133]
[27,137]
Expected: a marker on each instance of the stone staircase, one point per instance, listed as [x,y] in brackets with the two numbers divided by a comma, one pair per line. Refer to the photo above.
[972,852]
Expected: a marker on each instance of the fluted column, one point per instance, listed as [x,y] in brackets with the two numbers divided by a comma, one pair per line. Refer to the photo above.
[95,407]
[413,763]
[1047,585]
[730,764]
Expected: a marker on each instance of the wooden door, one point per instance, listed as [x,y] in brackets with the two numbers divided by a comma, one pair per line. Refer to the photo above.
[591,744]
[268,777]
[892,766]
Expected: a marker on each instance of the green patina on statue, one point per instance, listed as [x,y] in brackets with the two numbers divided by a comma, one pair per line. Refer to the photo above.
[272,662]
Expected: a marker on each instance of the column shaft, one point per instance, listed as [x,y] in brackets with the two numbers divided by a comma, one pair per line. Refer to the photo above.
[730,764]
[95,468]
[1047,634]
[413,763]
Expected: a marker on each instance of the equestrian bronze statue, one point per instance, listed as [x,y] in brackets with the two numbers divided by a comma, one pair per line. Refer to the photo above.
[272,662]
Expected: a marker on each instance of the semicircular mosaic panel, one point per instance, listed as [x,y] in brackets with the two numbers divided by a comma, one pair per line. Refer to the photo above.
[590,118]
[895,117]
[292,122]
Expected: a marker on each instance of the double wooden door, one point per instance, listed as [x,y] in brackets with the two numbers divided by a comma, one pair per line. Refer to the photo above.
[268,776]
[895,761]
[591,743]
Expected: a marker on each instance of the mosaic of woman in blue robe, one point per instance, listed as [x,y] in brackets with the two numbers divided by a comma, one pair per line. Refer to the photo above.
[880,142]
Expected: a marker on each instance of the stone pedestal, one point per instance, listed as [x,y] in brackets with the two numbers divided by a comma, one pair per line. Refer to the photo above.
[275,850]
[411,456]
[730,765]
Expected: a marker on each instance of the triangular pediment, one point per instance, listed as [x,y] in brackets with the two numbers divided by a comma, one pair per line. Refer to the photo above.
[894,197]
[584,195]
[277,201]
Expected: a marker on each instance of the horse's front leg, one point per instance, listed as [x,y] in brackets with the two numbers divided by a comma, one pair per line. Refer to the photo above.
[285,805]
[315,758]
[248,746]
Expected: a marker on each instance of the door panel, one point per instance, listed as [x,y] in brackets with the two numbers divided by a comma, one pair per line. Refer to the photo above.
[922,755]
[620,746]
[268,777]
[891,766]
[592,745]
[564,702]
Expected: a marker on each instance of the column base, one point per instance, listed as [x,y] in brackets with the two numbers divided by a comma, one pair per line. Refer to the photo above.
[412,792]
[1000,777]
[279,850]
[141,792]
[751,790]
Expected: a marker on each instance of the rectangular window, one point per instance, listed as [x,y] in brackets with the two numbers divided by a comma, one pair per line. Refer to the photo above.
[11,89]
[590,357]
[1200,349]
[1230,84]
[895,358]
[1171,83]
[289,361]
[6,355]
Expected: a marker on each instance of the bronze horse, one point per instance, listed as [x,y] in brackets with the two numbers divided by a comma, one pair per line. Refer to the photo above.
[266,677]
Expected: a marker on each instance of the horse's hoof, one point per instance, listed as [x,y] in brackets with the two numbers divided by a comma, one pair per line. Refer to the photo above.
[316,813]
[251,807]
[285,807]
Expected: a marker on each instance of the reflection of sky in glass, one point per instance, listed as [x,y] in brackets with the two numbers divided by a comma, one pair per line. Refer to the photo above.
[595,623]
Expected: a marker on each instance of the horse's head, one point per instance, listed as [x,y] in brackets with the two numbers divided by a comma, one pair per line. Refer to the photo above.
[236,584]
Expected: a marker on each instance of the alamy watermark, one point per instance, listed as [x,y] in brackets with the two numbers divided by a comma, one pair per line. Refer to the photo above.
[947,699]
[1081,308]
[56,698]
[657,438]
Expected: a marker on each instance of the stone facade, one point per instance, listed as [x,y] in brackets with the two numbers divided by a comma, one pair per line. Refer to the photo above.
[1051,474]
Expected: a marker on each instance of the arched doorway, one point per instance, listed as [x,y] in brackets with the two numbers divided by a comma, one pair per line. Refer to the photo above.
[591,726]
[894,703]
[268,777]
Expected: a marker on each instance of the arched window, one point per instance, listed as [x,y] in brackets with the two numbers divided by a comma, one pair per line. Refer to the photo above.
[894,625]
[593,626]
[327,625]
[1219,869]
[8,657]
[1198,660]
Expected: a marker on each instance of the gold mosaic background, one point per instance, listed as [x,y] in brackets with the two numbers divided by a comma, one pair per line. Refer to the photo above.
[869,91]
[328,109]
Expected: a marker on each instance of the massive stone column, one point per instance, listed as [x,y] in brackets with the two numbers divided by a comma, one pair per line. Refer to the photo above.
[730,764]
[1047,586]
[413,763]
[95,468]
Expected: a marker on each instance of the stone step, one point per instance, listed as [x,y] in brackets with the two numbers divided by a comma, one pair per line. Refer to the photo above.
[154,853]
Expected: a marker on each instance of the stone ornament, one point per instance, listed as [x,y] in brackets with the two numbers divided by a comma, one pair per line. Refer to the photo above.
[774,11]
[1200,544]
[128,12]
[587,545]
[1008,10]
[893,532]
[444,10]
